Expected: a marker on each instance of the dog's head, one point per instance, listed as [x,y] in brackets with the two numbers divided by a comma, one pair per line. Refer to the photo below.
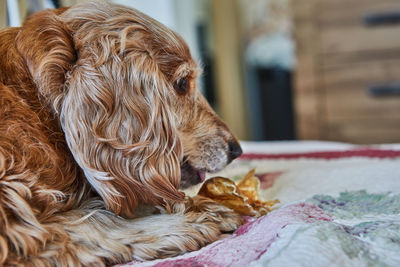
[124,88]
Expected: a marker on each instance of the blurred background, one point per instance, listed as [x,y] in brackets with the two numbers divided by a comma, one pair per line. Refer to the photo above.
[285,70]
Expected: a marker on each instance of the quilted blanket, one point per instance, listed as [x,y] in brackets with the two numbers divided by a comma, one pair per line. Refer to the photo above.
[340,206]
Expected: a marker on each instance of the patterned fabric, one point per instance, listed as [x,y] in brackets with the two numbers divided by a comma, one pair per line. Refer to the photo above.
[364,230]
[338,208]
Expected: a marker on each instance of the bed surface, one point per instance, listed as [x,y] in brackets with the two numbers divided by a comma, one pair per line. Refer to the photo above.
[340,206]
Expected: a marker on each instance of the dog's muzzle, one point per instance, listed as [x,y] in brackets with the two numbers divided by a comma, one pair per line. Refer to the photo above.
[192,176]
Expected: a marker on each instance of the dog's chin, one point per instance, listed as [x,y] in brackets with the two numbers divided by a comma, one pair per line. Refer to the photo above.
[190,176]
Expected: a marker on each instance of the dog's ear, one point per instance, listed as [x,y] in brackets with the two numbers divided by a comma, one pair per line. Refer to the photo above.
[109,101]
[115,113]
[121,132]
[47,47]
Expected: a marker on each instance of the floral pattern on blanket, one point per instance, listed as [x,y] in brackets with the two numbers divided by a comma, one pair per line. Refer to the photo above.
[365,231]
[338,209]
[354,229]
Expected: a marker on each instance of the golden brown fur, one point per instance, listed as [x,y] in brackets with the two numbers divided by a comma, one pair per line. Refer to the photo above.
[100,117]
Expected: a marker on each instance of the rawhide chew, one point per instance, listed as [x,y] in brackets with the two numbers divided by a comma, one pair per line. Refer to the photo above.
[242,197]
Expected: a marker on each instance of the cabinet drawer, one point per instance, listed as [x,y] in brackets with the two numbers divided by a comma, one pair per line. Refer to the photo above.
[359,39]
[363,130]
[347,90]
[344,29]
[334,13]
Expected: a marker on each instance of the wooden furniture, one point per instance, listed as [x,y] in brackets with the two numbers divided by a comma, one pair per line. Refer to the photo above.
[347,85]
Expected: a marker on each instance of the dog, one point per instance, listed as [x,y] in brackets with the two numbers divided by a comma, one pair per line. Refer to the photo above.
[101,126]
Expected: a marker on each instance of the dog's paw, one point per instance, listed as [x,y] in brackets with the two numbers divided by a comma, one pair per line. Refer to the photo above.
[207,210]
[180,228]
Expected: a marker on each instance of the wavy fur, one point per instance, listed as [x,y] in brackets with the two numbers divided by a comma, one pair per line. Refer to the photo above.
[93,131]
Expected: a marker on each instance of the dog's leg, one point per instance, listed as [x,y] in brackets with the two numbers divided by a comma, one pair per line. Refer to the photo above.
[179,229]
[92,236]
[97,237]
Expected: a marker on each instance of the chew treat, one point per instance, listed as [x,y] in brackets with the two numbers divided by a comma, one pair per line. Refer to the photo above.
[242,197]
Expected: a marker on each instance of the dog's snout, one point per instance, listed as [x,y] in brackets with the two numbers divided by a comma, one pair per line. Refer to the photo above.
[234,150]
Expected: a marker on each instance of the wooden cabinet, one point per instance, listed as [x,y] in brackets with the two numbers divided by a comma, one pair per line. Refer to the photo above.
[347,81]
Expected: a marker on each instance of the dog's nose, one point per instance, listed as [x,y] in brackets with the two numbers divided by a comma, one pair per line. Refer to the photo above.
[234,150]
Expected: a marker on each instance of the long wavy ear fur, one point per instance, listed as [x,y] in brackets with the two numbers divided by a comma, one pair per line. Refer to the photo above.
[95,66]
[115,112]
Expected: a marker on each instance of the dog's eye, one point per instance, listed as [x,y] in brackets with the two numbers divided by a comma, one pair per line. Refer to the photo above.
[182,86]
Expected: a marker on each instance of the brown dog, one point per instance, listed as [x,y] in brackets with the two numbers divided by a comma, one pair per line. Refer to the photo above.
[99,117]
